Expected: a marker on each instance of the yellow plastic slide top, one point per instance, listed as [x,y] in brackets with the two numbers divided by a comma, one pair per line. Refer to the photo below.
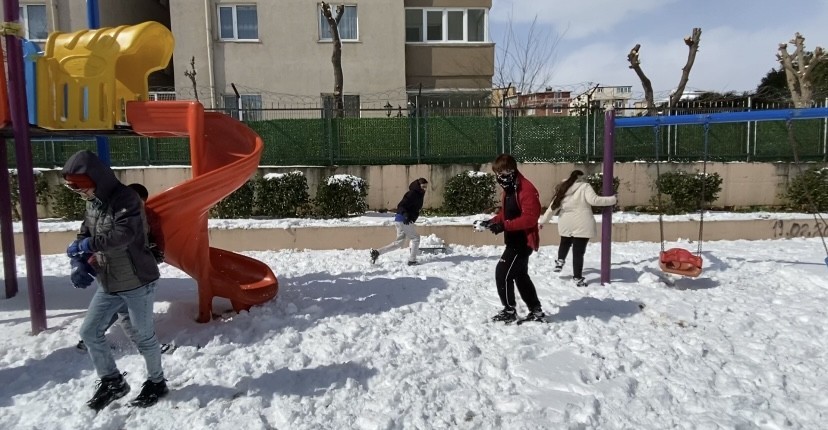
[85,78]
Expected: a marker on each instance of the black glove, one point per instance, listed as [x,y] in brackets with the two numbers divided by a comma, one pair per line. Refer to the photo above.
[406,219]
[82,272]
[496,228]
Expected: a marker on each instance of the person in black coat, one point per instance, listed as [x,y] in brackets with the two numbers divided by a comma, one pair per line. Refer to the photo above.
[408,210]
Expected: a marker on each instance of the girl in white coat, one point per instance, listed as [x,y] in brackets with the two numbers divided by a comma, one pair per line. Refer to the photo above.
[573,202]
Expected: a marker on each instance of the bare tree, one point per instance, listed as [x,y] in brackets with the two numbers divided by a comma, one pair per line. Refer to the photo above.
[798,67]
[525,58]
[192,75]
[336,57]
[692,43]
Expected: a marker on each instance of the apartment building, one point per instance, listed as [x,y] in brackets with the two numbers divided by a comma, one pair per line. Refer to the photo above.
[544,103]
[604,97]
[279,54]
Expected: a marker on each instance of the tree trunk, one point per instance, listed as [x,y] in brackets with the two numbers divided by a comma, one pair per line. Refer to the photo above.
[336,57]
[798,75]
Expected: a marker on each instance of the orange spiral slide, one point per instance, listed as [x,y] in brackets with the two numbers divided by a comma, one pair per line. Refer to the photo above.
[225,154]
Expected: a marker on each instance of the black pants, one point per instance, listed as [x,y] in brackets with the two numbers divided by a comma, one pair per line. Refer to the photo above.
[578,245]
[511,270]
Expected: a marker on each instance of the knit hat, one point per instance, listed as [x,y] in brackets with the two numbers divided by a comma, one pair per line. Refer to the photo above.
[79,181]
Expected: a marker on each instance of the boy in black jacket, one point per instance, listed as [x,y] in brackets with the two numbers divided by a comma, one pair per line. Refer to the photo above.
[408,210]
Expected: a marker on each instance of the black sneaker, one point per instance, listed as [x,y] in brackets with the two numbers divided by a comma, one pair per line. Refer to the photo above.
[535,315]
[150,393]
[507,315]
[81,346]
[580,282]
[374,256]
[559,264]
[413,263]
[108,390]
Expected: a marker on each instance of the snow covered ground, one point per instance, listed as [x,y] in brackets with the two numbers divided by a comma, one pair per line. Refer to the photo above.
[350,345]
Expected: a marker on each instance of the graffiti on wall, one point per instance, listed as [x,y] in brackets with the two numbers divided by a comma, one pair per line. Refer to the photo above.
[782,228]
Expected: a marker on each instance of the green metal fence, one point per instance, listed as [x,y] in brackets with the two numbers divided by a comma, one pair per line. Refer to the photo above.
[435,136]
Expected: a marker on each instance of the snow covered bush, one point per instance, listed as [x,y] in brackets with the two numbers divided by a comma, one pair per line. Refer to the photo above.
[469,193]
[810,185]
[340,196]
[282,195]
[685,190]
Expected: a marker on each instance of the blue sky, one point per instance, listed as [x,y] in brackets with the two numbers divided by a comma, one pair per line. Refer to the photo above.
[738,46]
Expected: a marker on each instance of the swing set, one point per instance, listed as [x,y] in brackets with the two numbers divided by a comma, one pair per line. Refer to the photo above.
[683,262]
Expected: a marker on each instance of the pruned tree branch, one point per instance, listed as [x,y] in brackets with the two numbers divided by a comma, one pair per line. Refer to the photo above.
[635,64]
[798,67]
[692,43]
[192,75]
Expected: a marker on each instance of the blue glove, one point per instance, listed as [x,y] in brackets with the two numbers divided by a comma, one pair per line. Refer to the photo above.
[496,228]
[79,246]
[82,272]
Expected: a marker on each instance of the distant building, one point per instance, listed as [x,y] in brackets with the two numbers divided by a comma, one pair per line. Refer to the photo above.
[545,103]
[604,97]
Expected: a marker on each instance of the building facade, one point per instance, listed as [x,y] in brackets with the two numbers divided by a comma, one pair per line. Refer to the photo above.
[261,54]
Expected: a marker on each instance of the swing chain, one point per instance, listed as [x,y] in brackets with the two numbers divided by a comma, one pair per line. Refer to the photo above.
[657,141]
[704,185]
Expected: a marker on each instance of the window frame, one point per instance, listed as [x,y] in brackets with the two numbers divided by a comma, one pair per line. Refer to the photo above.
[322,21]
[24,19]
[445,27]
[247,113]
[351,110]
[235,37]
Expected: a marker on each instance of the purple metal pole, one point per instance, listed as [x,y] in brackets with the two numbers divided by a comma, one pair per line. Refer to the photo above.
[6,229]
[606,217]
[23,148]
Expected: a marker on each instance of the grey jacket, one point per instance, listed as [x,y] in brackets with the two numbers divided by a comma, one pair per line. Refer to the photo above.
[115,223]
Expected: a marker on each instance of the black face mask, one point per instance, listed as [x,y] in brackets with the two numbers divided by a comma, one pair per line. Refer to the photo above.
[507,179]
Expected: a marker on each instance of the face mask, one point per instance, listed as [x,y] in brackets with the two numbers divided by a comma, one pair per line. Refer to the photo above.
[507,179]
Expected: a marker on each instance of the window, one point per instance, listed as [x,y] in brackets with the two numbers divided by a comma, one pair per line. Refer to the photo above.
[445,25]
[413,25]
[348,29]
[34,22]
[238,22]
[251,105]
[351,106]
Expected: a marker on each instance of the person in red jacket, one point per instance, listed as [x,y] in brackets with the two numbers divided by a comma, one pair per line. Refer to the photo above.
[518,221]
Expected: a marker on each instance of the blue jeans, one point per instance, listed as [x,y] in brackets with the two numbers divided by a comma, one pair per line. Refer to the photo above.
[136,322]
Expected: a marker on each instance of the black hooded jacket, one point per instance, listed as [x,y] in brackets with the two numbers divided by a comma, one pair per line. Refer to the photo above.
[412,202]
[115,224]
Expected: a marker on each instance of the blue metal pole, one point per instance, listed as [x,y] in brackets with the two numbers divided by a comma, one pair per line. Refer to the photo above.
[606,216]
[93,16]
[721,118]
[93,20]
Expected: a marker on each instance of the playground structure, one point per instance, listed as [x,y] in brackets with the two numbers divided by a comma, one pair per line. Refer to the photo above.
[95,81]
[680,261]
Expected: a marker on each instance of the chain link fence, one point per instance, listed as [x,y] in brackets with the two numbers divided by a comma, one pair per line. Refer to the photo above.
[445,135]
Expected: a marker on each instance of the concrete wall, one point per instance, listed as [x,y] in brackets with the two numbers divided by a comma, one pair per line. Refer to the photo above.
[744,184]
[374,237]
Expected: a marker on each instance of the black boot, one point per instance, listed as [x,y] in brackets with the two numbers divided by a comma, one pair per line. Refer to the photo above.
[109,390]
[150,393]
[507,315]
